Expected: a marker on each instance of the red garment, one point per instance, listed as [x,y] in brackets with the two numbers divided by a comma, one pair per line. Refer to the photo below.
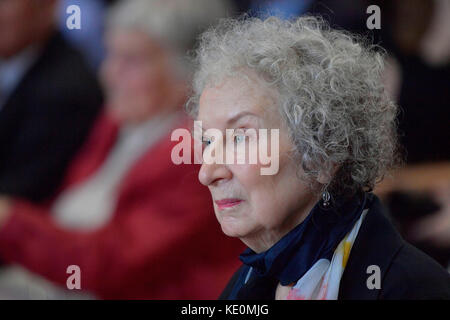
[163,241]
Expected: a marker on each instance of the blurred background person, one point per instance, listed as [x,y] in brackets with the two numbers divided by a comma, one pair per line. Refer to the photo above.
[136,224]
[49,99]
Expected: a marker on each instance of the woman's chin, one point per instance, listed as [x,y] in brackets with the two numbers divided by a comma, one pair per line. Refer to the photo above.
[232,228]
[230,232]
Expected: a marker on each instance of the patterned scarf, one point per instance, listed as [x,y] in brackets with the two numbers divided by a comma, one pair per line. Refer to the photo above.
[321,282]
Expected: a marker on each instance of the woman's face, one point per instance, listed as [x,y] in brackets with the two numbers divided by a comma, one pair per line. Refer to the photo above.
[136,75]
[259,209]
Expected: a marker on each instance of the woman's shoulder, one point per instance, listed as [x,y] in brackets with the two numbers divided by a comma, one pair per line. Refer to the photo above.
[414,275]
[384,266]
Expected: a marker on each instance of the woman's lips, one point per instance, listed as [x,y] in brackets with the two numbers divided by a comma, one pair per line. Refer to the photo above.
[227,203]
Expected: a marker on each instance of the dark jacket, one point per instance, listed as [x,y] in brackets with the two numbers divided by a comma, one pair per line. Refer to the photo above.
[406,272]
[45,120]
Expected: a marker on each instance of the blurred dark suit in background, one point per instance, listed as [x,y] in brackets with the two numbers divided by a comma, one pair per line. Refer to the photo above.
[45,112]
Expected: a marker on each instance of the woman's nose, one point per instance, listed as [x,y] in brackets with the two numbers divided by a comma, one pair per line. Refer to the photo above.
[213,173]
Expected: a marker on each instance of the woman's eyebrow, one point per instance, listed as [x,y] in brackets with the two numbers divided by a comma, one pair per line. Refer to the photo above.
[240,115]
[229,122]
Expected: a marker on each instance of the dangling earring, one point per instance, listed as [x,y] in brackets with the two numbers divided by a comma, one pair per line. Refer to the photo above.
[326,199]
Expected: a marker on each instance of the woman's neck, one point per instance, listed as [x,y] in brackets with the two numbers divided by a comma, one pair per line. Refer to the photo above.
[264,239]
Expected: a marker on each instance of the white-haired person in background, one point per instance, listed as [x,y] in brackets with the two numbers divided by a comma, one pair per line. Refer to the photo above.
[314,229]
[134,223]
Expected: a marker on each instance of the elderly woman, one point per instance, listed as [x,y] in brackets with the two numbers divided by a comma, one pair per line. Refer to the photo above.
[127,215]
[313,229]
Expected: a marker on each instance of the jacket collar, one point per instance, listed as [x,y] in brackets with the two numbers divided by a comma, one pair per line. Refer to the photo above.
[377,244]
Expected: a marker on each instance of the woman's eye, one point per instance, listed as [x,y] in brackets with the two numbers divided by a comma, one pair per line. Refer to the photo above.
[206,141]
[239,138]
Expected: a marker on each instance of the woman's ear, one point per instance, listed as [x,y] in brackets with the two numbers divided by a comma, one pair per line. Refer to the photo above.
[326,175]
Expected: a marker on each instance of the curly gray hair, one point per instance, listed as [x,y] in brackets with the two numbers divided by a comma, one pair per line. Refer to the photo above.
[332,97]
